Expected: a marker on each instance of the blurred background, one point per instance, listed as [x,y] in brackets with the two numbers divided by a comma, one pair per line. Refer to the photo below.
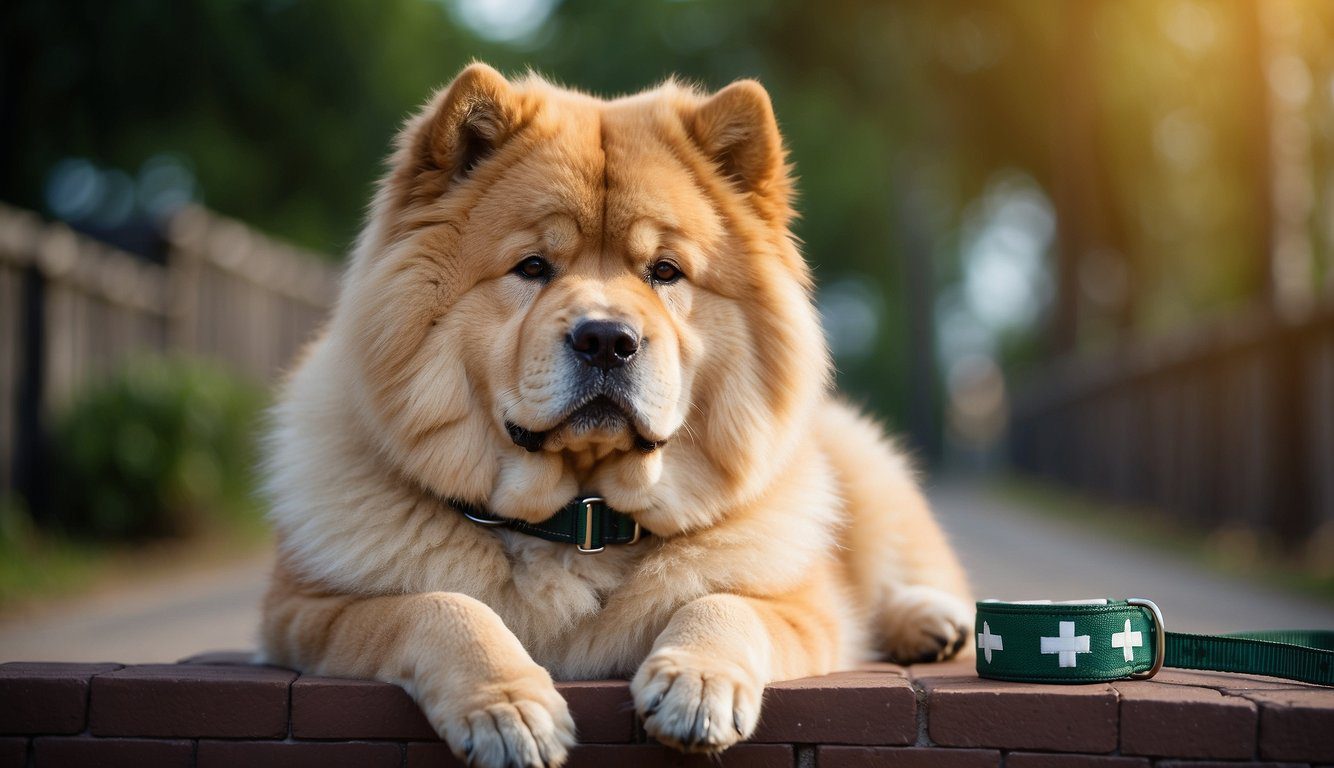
[1080,255]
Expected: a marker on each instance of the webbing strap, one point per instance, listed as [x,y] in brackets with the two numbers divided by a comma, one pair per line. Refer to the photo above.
[588,523]
[1305,655]
[1100,640]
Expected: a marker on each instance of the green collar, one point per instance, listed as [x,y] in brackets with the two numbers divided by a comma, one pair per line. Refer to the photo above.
[586,522]
[1098,640]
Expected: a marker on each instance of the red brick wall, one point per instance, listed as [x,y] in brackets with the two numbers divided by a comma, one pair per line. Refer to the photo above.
[214,711]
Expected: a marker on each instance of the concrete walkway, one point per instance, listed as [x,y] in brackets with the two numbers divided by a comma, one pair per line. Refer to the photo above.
[1010,554]
[1015,554]
[159,622]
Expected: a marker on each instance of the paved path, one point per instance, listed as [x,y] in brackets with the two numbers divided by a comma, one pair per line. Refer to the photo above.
[1010,554]
[160,622]
[1015,554]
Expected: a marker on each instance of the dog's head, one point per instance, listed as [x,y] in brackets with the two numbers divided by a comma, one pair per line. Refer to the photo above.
[557,294]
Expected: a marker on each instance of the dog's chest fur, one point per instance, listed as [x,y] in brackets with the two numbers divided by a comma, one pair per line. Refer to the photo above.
[548,572]
[555,587]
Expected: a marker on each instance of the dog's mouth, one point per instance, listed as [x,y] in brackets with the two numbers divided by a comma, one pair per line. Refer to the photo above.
[599,415]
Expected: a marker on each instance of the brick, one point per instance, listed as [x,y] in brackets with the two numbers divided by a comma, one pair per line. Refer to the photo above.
[1295,724]
[431,754]
[40,697]
[437,755]
[336,708]
[83,752]
[955,668]
[169,700]
[1218,764]
[1040,760]
[878,668]
[603,711]
[859,707]
[1222,681]
[222,658]
[967,711]
[658,756]
[1167,720]
[13,753]
[904,757]
[299,754]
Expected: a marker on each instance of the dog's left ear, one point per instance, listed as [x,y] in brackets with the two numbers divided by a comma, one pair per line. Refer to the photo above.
[736,129]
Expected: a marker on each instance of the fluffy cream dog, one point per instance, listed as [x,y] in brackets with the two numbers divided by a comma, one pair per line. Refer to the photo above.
[557,296]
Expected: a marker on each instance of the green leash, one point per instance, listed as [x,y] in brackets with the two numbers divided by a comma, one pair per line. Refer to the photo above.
[1090,641]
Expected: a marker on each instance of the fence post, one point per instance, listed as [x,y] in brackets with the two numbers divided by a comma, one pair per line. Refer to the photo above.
[18,242]
[1293,497]
[187,232]
[29,461]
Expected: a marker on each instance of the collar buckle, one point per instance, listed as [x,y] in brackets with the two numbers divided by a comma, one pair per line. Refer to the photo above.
[593,506]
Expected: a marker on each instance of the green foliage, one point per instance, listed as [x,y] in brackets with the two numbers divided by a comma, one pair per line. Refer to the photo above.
[1141,121]
[33,564]
[163,448]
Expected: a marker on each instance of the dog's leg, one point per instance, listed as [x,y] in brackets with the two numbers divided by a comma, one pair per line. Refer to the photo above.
[478,687]
[699,690]
[922,610]
[906,575]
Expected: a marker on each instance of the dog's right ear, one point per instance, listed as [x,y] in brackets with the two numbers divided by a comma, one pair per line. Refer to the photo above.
[474,116]
[462,125]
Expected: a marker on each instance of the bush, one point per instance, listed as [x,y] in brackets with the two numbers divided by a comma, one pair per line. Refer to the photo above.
[163,448]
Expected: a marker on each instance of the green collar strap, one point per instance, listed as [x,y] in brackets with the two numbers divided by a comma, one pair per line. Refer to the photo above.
[586,522]
[1088,641]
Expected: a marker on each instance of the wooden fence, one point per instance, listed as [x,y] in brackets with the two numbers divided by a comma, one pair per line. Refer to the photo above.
[73,308]
[1229,425]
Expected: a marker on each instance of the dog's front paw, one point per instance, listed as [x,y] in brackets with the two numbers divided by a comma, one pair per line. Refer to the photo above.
[522,723]
[923,624]
[696,704]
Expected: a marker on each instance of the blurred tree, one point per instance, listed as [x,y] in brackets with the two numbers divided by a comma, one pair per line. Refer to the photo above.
[1140,122]
[283,109]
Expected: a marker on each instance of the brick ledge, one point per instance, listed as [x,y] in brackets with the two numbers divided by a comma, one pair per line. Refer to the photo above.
[216,709]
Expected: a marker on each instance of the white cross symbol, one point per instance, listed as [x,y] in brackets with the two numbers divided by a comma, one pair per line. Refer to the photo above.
[1066,645]
[989,642]
[1128,641]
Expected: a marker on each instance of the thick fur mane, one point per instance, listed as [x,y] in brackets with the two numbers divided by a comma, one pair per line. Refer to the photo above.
[424,407]
[557,296]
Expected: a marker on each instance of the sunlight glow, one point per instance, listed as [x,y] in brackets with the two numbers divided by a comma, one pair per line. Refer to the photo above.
[503,21]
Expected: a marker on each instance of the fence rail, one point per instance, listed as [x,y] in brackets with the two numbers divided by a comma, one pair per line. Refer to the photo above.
[73,308]
[1231,424]
[240,297]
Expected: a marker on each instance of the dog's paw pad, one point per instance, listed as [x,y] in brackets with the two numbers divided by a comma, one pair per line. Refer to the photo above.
[924,624]
[695,705]
[532,729]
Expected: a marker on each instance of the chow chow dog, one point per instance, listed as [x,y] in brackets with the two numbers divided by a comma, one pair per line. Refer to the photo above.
[557,297]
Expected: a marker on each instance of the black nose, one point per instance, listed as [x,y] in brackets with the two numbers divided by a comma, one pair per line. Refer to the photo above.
[604,344]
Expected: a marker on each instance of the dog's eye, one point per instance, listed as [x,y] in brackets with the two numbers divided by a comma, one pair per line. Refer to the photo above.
[665,272]
[533,268]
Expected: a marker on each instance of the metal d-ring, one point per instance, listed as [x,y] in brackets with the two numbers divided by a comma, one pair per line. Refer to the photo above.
[1159,635]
